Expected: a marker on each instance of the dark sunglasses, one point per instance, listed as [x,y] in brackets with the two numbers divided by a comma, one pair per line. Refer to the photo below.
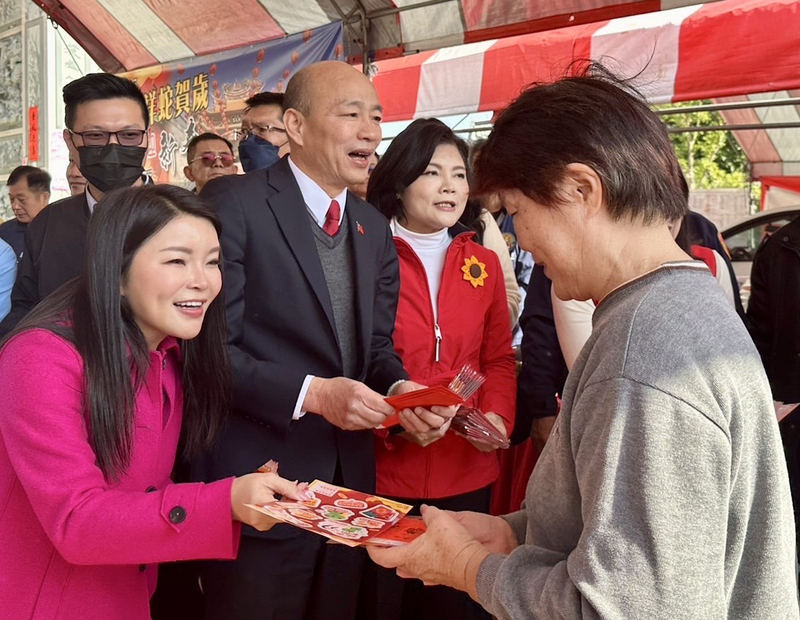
[209,159]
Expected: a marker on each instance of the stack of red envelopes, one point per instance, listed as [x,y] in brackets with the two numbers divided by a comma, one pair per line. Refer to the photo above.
[473,424]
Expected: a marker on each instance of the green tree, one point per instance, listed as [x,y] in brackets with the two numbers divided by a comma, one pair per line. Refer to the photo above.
[710,159]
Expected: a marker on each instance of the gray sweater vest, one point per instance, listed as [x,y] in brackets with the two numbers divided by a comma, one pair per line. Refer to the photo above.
[336,256]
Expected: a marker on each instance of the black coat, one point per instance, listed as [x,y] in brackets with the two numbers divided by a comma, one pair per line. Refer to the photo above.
[281,328]
[53,254]
[773,313]
[543,371]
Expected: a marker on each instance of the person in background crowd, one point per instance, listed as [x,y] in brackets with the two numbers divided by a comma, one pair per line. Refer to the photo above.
[77,182]
[772,319]
[8,271]
[490,236]
[663,489]
[704,233]
[446,318]
[92,405]
[29,193]
[208,156]
[312,280]
[360,189]
[106,133]
[263,140]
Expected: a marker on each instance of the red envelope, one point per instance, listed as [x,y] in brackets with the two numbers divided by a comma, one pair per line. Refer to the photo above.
[438,395]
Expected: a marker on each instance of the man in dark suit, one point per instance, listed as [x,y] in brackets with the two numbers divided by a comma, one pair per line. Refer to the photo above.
[311,283]
[106,120]
[29,193]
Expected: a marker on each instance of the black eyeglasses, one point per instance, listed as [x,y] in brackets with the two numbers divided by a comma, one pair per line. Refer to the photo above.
[209,159]
[96,137]
[262,130]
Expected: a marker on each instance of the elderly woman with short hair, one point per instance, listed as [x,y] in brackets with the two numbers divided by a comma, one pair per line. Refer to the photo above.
[662,492]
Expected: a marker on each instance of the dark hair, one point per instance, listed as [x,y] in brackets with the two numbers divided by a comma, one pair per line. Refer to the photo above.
[406,159]
[192,146]
[38,179]
[264,99]
[113,348]
[594,119]
[97,87]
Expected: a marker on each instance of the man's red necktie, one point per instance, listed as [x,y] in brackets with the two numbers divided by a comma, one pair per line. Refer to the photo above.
[331,225]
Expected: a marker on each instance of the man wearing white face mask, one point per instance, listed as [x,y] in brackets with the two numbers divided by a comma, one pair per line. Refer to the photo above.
[106,134]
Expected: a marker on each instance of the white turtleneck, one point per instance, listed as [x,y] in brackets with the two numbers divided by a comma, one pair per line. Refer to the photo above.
[431,249]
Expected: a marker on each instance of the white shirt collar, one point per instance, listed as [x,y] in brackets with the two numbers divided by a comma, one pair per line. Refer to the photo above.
[316,199]
[90,200]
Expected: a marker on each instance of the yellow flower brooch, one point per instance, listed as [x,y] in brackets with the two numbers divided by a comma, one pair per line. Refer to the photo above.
[474,271]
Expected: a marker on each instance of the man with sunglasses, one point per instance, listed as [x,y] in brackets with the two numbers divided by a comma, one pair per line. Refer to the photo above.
[106,134]
[208,156]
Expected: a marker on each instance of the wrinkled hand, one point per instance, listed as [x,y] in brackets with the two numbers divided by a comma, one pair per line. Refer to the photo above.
[446,554]
[345,403]
[260,489]
[493,533]
[496,421]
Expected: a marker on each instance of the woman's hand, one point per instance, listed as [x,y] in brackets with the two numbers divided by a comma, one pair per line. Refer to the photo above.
[446,554]
[496,421]
[260,489]
[425,426]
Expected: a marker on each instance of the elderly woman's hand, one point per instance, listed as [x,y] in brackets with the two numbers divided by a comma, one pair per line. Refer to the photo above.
[492,532]
[447,554]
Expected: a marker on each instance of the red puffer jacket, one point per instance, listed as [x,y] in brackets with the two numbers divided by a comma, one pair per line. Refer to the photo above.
[473,327]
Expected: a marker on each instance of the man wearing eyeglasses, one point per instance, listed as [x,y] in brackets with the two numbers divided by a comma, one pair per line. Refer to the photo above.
[208,156]
[263,139]
[106,135]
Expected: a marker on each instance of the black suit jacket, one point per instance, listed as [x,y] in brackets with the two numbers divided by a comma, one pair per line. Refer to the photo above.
[281,328]
[53,254]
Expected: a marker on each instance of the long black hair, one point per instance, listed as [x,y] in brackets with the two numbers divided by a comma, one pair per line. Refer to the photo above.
[91,313]
[406,159]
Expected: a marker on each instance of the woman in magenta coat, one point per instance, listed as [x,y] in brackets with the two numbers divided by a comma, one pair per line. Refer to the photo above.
[99,387]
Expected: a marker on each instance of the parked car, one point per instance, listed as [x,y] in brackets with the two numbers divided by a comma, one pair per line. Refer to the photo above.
[744,238]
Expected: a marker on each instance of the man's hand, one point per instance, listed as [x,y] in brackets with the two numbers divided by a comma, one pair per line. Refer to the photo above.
[492,532]
[498,423]
[345,403]
[446,554]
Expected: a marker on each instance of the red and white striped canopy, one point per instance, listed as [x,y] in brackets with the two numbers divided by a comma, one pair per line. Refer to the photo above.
[122,35]
[720,49]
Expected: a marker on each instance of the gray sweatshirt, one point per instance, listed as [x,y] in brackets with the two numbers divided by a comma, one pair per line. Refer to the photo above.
[662,491]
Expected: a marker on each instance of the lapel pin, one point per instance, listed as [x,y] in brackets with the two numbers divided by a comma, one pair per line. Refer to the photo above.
[359,227]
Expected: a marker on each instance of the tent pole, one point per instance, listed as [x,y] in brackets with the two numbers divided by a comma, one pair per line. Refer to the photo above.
[732,105]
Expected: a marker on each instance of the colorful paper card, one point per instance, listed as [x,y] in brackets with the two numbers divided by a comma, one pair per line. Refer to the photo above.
[343,515]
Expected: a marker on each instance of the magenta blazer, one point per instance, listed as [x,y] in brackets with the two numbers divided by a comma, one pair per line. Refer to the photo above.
[71,544]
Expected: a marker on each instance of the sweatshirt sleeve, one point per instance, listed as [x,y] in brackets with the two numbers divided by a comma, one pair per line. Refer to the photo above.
[88,520]
[651,514]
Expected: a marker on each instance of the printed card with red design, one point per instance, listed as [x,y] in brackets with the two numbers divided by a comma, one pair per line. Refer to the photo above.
[403,532]
[343,515]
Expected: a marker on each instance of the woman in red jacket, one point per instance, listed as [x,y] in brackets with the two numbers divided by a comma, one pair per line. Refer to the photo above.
[97,386]
[451,311]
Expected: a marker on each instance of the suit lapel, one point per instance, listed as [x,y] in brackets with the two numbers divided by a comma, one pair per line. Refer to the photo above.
[286,202]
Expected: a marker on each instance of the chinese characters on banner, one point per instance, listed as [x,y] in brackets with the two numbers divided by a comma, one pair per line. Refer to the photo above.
[207,94]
